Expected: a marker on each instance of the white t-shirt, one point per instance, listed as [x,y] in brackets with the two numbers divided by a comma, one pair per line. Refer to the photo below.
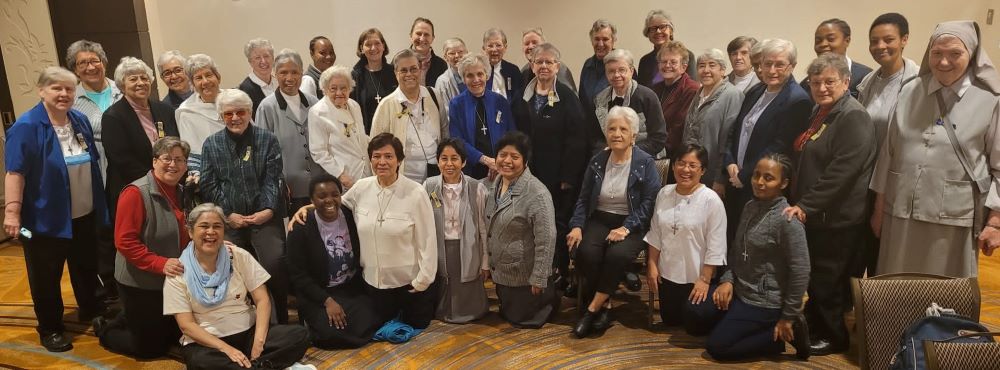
[689,231]
[235,314]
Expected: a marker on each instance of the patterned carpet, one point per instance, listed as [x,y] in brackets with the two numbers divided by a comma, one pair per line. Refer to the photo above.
[489,343]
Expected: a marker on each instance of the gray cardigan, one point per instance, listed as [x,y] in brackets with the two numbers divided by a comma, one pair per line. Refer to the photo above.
[769,259]
[473,234]
[293,137]
[652,133]
[710,124]
[160,234]
[521,232]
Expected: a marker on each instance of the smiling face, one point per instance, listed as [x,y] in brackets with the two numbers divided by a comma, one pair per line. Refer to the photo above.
[528,43]
[385,163]
[671,67]
[170,167]
[289,78]
[830,38]
[710,73]
[450,164]
[619,134]
[688,171]
[828,87]
[545,66]
[949,59]
[137,86]
[237,119]
[90,69]
[408,73]
[475,79]
[338,91]
[495,48]
[175,78]
[58,96]
[326,198]
[206,84]
[373,48]
[454,54]
[510,163]
[207,233]
[603,42]
[422,36]
[886,45]
[323,55]
[775,69]
[740,59]
[768,181]
[619,75]
[659,31]
[261,60]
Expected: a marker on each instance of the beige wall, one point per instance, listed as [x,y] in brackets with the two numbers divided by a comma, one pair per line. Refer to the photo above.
[220,28]
[28,47]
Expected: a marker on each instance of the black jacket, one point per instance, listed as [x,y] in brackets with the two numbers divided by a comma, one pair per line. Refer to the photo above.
[858,73]
[437,68]
[129,153]
[835,167]
[308,263]
[558,137]
[256,93]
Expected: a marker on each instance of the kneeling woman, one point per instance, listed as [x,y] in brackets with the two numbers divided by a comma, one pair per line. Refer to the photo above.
[211,302]
[521,236]
[324,265]
[687,242]
[458,202]
[767,276]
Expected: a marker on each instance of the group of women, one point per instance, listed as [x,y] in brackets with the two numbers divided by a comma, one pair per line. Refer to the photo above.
[746,189]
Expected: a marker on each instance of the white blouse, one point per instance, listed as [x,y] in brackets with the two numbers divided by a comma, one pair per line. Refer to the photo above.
[689,231]
[397,232]
[337,139]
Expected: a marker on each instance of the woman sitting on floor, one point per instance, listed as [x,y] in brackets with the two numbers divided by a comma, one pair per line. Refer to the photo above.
[324,263]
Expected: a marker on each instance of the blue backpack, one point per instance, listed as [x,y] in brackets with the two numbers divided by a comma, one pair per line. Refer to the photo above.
[946,327]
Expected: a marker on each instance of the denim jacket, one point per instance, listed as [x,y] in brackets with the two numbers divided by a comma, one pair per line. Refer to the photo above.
[643,184]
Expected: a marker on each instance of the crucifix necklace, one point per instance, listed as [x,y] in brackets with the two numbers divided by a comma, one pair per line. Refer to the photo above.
[377,86]
[385,194]
[482,120]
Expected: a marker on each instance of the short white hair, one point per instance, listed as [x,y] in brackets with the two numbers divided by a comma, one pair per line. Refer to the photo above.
[169,56]
[235,98]
[198,62]
[258,43]
[335,71]
[454,42]
[714,55]
[55,74]
[620,55]
[130,66]
[494,32]
[471,60]
[626,113]
[778,46]
[285,56]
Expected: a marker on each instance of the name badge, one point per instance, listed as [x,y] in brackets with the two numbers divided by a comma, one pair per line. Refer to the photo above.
[159,130]
[818,132]
[81,141]
[246,156]
[499,114]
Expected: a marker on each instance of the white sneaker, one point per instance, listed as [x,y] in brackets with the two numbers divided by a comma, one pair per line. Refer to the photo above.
[298,366]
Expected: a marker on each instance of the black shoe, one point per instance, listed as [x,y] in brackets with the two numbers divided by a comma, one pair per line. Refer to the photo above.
[823,347]
[100,326]
[585,324]
[603,321]
[571,291]
[801,342]
[632,281]
[56,342]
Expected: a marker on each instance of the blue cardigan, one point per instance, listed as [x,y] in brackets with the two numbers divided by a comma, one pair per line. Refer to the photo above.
[643,185]
[462,125]
[33,151]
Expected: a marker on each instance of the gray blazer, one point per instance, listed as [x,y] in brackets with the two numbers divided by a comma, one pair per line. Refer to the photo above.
[293,137]
[470,209]
[521,232]
[710,125]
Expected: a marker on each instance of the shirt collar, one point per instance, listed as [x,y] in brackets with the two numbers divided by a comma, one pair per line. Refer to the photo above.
[257,80]
[402,97]
[959,87]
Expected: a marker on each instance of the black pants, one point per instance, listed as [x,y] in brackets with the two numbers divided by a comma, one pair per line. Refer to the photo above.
[267,243]
[44,257]
[362,320]
[603,263]
[866,259]
[831,256]
[141,330]
[745,331]
[284,345]
[414,309]
[735,200]
[107,286]
[563,203]
[676,309]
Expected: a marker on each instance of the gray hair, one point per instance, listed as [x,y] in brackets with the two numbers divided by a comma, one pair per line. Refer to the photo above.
[601,24]
[232,98]
[285,56]
[198,62]
[494,32]
[403,54]
[714,55]
[130,66]
[203,208]
[546,48]
[454,42]
[255,44]
[657,14]
[626,113]
[84,45]
[335,71]
[620,55]
[167,57]
[535,30]
[55,74]
[167,145]
[778,46]
[471,60]
[829,60]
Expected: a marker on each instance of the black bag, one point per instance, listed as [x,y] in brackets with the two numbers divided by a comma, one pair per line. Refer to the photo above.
[947,327]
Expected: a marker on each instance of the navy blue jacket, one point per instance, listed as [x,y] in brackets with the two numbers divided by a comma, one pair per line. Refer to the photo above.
[462,125]
[643,184]
[515,82]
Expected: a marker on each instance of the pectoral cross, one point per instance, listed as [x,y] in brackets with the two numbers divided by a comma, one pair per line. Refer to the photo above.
[745,255]
[483,129]
[453,222]
[378,98]
[674,228]
[380,220]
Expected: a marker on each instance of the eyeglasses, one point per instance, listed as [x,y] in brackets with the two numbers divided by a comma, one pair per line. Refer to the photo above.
[240,113]
[412,70]
[174,160]
[171,72]
[541,62]
[336,89]
[670,63]
[829,84]
[779,66]
[84,63]
[689,165]
[657,28]
[620,71]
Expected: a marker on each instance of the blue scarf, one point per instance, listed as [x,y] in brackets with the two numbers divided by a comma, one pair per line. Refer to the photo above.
[197,280]
[395,332]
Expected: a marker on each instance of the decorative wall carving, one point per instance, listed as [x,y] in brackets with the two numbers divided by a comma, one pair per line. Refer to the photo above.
[28,47]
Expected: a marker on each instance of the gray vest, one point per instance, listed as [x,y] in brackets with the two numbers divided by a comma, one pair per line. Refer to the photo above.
[159,233]
[471,242]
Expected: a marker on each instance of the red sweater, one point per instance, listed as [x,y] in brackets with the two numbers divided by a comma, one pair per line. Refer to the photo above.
[128,228]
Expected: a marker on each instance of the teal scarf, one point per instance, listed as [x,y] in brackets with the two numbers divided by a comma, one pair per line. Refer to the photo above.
[198,281]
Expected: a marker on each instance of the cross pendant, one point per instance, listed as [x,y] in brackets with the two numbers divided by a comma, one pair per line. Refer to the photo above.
[483,129]
[674,228]
[378,98]
[380,221]
[745,255]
